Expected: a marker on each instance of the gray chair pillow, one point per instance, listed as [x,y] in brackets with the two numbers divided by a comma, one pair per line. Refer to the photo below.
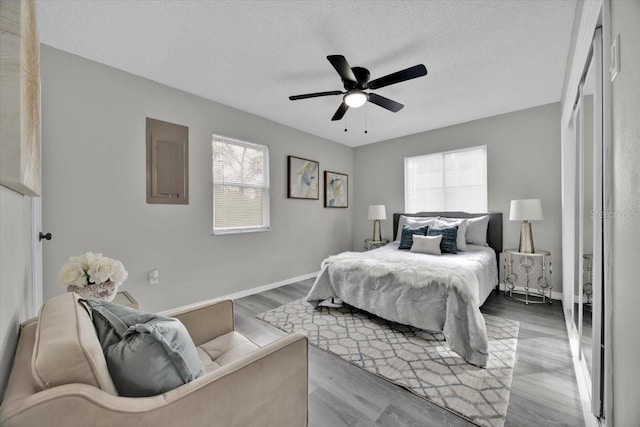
[147,354]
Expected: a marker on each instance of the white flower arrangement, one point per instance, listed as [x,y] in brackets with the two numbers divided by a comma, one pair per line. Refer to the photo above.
[91,269]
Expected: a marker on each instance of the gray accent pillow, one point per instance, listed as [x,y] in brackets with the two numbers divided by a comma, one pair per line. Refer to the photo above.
[406,241]
[448,244]
[147,354]
[476,233]
[461,223]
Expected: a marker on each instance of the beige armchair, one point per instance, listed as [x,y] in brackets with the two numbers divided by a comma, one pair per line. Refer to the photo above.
[59,376]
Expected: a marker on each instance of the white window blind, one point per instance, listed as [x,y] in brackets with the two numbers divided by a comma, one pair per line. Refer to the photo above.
[240,186]
[449,181]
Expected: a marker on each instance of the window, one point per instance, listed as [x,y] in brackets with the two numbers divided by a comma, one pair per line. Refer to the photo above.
[449,181]
[240,186]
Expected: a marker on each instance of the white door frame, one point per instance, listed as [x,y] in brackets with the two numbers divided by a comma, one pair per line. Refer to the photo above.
[36,256]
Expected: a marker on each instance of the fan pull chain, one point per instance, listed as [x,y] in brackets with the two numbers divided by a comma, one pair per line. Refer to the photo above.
[365,119]
[345,123]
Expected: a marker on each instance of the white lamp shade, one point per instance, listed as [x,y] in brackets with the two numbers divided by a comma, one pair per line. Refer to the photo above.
[377,212]
[526,209]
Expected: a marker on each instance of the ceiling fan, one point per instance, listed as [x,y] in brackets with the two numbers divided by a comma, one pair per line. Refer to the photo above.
[356,81]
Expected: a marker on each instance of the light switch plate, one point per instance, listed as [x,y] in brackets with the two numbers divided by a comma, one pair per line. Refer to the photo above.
[615,57]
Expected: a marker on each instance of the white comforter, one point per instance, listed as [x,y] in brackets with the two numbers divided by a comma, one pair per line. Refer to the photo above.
[435,293]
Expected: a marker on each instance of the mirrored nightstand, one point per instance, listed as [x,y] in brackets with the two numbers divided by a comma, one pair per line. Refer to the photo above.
[537,284]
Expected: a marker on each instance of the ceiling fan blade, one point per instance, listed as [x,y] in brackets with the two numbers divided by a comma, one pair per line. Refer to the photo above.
[398,76]
[342,67]
[386,103]
[340,112]
[314,95]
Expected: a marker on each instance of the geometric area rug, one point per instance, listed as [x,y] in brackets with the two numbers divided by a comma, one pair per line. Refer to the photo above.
[417,360]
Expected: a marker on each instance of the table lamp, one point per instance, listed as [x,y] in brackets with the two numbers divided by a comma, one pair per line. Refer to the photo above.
[377,213]
[526,210]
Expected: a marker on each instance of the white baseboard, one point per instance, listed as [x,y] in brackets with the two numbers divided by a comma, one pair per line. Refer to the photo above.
[554,295]
[240,294]
[258,289]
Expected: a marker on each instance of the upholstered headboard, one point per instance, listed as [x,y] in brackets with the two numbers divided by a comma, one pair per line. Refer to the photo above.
[494,231]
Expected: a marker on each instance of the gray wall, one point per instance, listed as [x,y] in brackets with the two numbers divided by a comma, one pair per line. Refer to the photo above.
[523,161]
[94,189]
[625,17]
[15,274]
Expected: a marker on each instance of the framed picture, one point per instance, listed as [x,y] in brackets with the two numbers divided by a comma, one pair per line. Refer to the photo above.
[303,178]
[336,190]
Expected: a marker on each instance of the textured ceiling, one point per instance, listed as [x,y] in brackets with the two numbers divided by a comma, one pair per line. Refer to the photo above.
[483,57]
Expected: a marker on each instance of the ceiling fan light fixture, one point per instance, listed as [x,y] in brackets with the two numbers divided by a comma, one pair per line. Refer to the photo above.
[356,79]
[355,98]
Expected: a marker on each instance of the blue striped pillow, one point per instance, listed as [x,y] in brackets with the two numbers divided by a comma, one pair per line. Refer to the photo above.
[406,241]
[449,243]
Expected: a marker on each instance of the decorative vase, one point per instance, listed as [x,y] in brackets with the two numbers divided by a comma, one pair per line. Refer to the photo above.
[105,291]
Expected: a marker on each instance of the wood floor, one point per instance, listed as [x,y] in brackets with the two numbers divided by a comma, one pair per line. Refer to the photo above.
[543,393]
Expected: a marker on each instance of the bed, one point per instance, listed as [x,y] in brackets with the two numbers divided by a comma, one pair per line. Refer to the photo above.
[435,293]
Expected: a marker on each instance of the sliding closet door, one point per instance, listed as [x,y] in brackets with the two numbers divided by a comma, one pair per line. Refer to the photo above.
[583,221]
[588,294]
[581,251]
[569,228]
[587,208]
[578,218]
[597,305]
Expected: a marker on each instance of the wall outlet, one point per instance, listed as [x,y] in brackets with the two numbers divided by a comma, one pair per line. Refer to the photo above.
[154,277]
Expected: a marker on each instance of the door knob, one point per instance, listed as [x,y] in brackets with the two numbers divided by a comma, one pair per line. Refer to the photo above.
[45,236]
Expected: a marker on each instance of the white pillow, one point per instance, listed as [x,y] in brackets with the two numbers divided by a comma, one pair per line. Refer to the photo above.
[414,222]
[426,244]
[477,230]
[461,242]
